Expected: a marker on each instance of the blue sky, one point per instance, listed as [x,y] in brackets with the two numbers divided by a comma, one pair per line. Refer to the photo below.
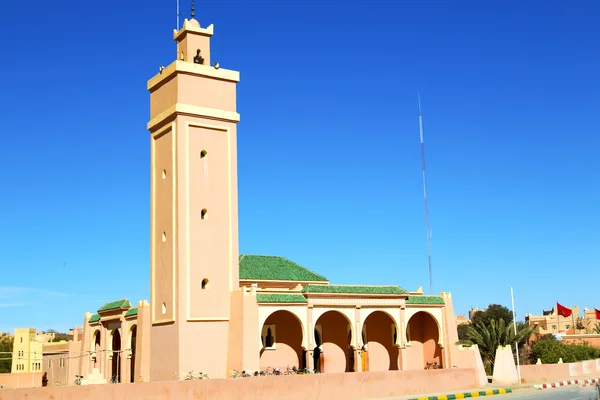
[329,159]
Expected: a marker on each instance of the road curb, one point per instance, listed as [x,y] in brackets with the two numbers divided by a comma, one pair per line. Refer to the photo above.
[466,395]
[567,383]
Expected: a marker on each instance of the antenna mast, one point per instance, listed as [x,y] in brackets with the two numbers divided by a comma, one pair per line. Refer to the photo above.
[425,195]
[177,27]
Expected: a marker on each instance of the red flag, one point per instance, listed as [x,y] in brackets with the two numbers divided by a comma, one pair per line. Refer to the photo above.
[562,310]
[597,313]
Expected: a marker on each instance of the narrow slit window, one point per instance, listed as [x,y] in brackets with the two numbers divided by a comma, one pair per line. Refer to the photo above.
[204,284]
[203,213]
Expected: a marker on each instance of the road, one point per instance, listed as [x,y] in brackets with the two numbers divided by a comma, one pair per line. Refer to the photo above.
[567,393]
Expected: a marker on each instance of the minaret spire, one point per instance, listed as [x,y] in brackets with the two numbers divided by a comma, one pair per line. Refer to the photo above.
[193,13]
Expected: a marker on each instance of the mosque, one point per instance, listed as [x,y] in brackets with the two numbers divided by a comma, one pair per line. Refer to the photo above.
[215,311]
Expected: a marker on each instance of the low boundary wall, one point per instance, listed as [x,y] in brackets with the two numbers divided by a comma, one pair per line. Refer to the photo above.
[540,373]
[21,380]
[342,386]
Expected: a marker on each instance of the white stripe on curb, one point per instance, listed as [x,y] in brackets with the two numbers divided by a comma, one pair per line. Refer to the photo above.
[567,383]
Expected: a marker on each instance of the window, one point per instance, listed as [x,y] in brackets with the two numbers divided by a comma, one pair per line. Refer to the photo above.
[203,213]
[568,326]
[553,326]
[269,337]
[61,363]
[203,154]
[164,308]
[204,283]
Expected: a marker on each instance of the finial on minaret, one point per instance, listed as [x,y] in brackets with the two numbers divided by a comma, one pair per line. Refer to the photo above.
[193,13]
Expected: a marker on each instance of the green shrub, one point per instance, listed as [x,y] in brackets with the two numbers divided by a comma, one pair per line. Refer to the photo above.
[549,351]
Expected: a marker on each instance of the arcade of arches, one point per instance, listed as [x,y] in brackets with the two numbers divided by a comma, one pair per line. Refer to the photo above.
[286,342]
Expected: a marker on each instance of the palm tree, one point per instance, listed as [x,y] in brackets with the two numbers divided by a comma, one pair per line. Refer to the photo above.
[496,333]
[597,328]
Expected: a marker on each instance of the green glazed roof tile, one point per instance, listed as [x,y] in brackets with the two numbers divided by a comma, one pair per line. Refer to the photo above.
[273,268]
[279,298]
[94,318]
[131,311]
[424,300]
[351,289]
[113,305]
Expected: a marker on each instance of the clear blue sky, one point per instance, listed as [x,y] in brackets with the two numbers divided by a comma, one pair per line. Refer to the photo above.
[329,159]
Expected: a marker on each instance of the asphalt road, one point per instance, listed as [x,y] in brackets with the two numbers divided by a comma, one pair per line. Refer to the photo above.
[567,393]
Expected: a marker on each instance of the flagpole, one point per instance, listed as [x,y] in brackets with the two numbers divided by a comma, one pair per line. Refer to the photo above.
[557,320]
[512,296]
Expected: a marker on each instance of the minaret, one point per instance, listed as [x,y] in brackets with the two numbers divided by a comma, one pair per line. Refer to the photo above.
[194,212]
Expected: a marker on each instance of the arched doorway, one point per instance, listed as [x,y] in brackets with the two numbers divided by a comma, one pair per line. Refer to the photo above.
[133,347]
[281,337]
[333,336]
[97,351]
[116,356]
[380,335]
[423,335]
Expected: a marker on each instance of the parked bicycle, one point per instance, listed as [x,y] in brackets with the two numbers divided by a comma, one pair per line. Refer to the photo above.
[291,370]
[191,376]
[237,374]
[432,365]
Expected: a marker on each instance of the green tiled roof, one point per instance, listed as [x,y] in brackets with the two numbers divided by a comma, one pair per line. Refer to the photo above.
[424,300]
[279,298]
[347,289]
[131,311]
[272,268]
[94,318]
[113,305]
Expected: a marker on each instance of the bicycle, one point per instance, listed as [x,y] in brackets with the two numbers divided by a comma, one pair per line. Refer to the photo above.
[237,374]
[291,370]
[432,365]
[78,379]
[191,376]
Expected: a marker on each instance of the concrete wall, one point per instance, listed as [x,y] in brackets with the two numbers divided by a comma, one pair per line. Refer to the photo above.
[20,380]
[540,373]
[346,386]
[592,340]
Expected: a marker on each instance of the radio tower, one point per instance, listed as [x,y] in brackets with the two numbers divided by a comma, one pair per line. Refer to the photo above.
[425,195]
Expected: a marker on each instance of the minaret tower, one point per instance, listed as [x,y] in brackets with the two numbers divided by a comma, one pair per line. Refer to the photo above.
[194,211]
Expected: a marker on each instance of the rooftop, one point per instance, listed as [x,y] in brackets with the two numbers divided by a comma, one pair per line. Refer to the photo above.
[279,298]
[353,289]
[424,300]
[115,305]
[274,268]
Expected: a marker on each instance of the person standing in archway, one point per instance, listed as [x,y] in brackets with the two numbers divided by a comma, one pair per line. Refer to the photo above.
[45,379]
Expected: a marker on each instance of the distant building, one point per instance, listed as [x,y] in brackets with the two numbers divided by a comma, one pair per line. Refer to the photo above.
[551,322]
[27,351]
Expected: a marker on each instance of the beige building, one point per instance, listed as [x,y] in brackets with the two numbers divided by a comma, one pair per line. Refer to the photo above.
[551,322]
[214,311]
[27,351]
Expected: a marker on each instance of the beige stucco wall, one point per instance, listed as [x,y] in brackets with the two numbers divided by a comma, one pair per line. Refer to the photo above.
[315,387]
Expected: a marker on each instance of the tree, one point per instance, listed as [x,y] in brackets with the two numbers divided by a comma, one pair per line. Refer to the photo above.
[493,312]
[463,332]
[597,328]
[488,337]
[6,346]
